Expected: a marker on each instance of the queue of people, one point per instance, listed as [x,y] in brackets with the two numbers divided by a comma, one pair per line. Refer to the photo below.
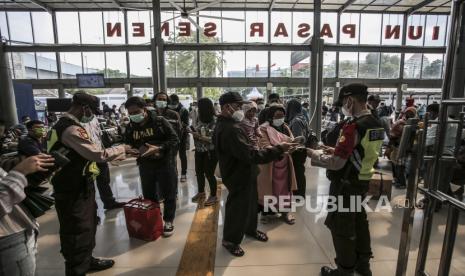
[260,150]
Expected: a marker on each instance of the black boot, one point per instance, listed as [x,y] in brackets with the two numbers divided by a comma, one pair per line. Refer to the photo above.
[100,264]
[363,266]
[328,271]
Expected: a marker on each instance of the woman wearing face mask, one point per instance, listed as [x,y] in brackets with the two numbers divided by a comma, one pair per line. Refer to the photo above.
[250,123]
[276,178]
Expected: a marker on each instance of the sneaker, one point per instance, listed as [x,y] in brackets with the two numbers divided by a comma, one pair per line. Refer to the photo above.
[211,201]
[183,178]
[168,229]
[197,197]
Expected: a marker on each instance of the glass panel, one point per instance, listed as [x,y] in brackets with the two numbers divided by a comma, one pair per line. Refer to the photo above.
[3,26]
[47,65]
[300,63]
[281,27]
[43,27]
[392,29]
[114,27]
[168,17]
[71,64]
[116,65]
[281,64]
[239,27]
[68,27]
[390,66]
[435,30]
[234,64]
[368,65]
[211,27]
[94,62]
[348,64]
[412,67]
[256,26]
[349,28]
[170,64]
[186,64]
[24,65]
[20,26]
[140,64]
[91,27]
[415,30]
[139,27]
[210,64]
[329,65]
[301,27]
[329,27]
[370,28]
[185,32]
[432,66]
[257,64]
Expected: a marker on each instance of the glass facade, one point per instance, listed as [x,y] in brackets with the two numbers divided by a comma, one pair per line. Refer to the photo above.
[286,28]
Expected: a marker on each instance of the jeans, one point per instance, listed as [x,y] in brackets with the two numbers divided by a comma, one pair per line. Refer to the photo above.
[205,165]
[18,254]
[160,183]
[183,154]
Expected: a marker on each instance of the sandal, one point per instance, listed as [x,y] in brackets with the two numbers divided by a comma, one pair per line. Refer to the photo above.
[259,236]
[234,249]
[289,219]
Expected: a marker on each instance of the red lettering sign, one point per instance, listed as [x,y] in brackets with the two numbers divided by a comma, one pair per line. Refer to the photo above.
[281,30]
[165,29]
[326,31]
[411,32]
[304,30]
[390,32]
[436,33]
[112,30]
[184,28]
[210,29]
[138,29]
[349,29]
[256,28]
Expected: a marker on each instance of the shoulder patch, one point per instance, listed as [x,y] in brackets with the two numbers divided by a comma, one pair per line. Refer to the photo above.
[376,134]
[83,133]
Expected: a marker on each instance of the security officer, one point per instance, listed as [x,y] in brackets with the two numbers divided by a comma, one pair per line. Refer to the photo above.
[350,168]
[74,184]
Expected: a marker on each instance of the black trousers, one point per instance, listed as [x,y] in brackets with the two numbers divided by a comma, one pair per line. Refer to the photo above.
[160,183]
[103,184]
[350,231]
[205,165]
[299,158]
[240,210]
[183,154]
[77,214]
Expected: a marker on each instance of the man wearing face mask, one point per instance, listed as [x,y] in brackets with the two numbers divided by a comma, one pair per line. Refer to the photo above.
[238,166]
[349,168]
[74,187]
[161,109]
[33,143]
[176,106]
[157,142]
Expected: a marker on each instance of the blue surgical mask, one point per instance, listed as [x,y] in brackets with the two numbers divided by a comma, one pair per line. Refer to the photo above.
[85,119]
[161,104]
[137,118]
[172,106]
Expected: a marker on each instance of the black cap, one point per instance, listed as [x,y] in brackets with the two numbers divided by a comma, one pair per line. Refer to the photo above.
[231,97]
[374,98]
[351,89]
[82,98]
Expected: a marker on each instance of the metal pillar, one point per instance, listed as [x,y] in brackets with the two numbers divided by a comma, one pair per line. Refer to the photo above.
[199,91]
[314,97]
[61,92]
[158,53]
[7,94]
[399,98]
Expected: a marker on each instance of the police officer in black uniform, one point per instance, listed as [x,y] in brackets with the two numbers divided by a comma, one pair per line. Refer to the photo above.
[350,168]
[74,184]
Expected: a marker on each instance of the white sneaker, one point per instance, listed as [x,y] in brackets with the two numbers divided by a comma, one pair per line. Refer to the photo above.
[168,229]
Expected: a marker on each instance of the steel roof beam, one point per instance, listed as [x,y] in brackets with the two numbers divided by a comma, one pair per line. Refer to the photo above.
[345,6]
[273,2]
[42,5]
[418,6]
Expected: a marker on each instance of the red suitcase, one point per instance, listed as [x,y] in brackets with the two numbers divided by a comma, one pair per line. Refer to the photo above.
[143,219]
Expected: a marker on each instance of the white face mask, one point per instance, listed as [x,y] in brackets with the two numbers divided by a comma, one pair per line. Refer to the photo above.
[346,110]
[238,115]
[278,122]
[261,106]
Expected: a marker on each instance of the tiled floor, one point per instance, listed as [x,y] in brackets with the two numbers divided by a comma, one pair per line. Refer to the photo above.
[300,249]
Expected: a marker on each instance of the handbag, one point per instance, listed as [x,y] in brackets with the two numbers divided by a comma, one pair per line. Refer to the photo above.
[143,219]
